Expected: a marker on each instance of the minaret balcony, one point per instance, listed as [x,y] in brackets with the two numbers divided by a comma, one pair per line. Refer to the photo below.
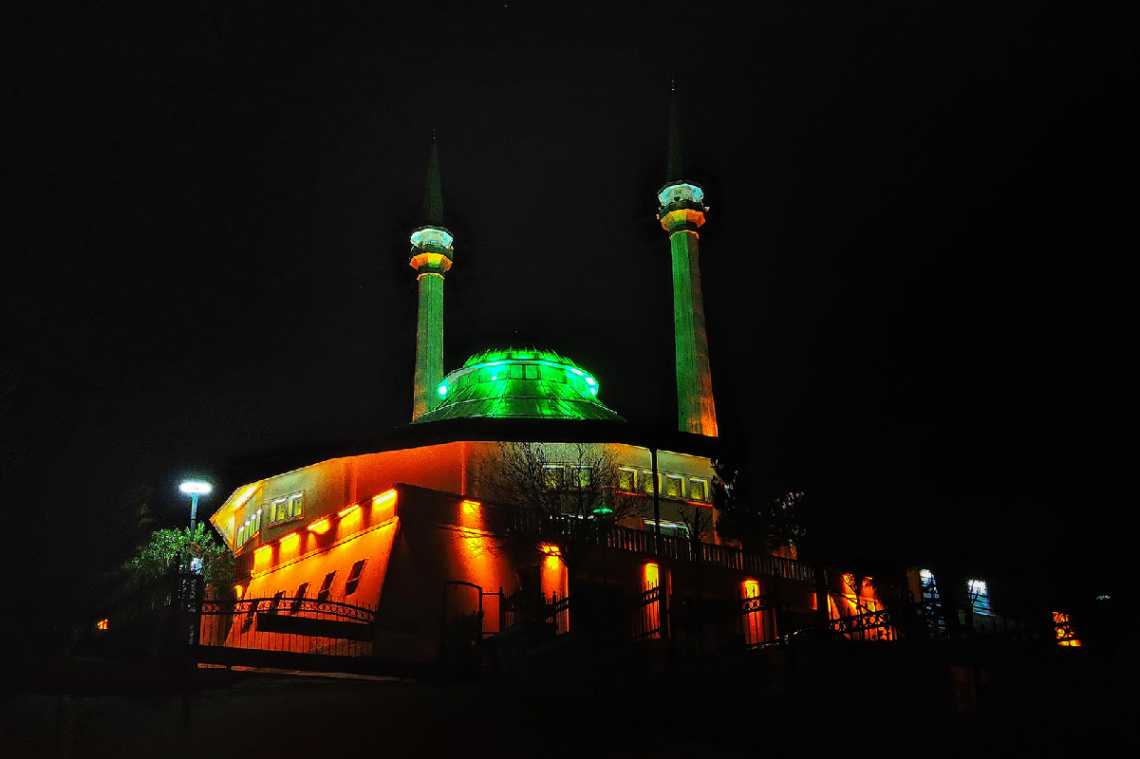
[435,239]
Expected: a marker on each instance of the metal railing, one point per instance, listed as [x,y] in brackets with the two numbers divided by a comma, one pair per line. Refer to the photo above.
[593,532]
[295,625]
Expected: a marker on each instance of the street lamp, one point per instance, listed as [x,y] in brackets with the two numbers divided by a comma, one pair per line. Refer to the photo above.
[194,488]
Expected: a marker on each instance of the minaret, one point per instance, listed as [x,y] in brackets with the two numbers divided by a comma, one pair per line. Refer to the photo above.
[431,258]
[681,213]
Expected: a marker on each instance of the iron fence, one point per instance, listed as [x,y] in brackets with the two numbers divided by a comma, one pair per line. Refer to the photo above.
[573,530]
[647,614]
[294,625]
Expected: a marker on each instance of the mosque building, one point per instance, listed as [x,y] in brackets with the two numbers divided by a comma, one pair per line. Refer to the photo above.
[414,531]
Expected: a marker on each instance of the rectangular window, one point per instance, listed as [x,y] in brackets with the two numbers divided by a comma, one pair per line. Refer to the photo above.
[674,486]
[979,596]
[326,586]
[627,479]
[581,477]
[645,481]
[531,371]
[672,529]
[280,509]
[698,489]
[296,505]
[516,371]
[301,590]
[552,476]
[353,578]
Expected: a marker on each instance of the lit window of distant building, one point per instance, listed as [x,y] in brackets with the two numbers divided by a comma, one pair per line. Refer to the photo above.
[979,596]
[674,486]
[1064,630]
[627,479]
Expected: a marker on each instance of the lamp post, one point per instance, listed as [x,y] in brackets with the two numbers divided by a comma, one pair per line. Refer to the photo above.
[194,488]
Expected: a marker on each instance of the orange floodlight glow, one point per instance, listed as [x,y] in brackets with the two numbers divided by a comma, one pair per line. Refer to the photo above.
[350,509]
[652,575]
[751,589]
[552,553]
[471,508]
[1064,630]
[384,498]
[239,592]
[321,526]
[102,624]
[262,557]
[290,537]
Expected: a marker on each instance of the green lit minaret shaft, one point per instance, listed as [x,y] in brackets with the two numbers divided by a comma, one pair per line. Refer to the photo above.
[431,257]
[681,213]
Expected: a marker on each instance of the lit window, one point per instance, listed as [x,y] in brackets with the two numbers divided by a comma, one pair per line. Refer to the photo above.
[102,624]
[353,578]
[627,479]
[672,529]
[698,489]
[645,481]
[530,371]
[280,510]
[1064,630]
[552,476]
[979,596]
[516,371]
[326,586]
[580,476]
[296,505]
[674,486]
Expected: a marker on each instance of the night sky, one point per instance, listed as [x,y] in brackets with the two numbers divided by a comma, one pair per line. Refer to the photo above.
[917,303]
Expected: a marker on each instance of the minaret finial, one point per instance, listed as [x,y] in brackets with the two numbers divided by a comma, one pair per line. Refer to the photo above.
[433,194]
[674,165]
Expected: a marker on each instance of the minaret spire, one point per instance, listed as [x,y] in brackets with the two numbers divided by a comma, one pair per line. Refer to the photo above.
[681,213]
[433,192]
[431,257]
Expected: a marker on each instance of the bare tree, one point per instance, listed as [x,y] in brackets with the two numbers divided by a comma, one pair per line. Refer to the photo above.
[560,493]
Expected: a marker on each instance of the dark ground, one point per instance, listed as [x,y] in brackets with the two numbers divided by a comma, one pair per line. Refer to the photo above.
[854,702]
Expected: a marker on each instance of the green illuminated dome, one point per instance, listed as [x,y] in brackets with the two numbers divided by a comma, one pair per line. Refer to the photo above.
[518,384]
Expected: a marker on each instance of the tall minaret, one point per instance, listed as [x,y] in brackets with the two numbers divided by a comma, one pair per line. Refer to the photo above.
[431,258]
[681,213]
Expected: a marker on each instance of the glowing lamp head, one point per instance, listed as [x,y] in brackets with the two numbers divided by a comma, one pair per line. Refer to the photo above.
[195,487]
[443,390]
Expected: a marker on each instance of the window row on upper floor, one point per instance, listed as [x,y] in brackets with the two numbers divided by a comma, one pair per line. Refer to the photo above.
[282,509]
[631,480]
